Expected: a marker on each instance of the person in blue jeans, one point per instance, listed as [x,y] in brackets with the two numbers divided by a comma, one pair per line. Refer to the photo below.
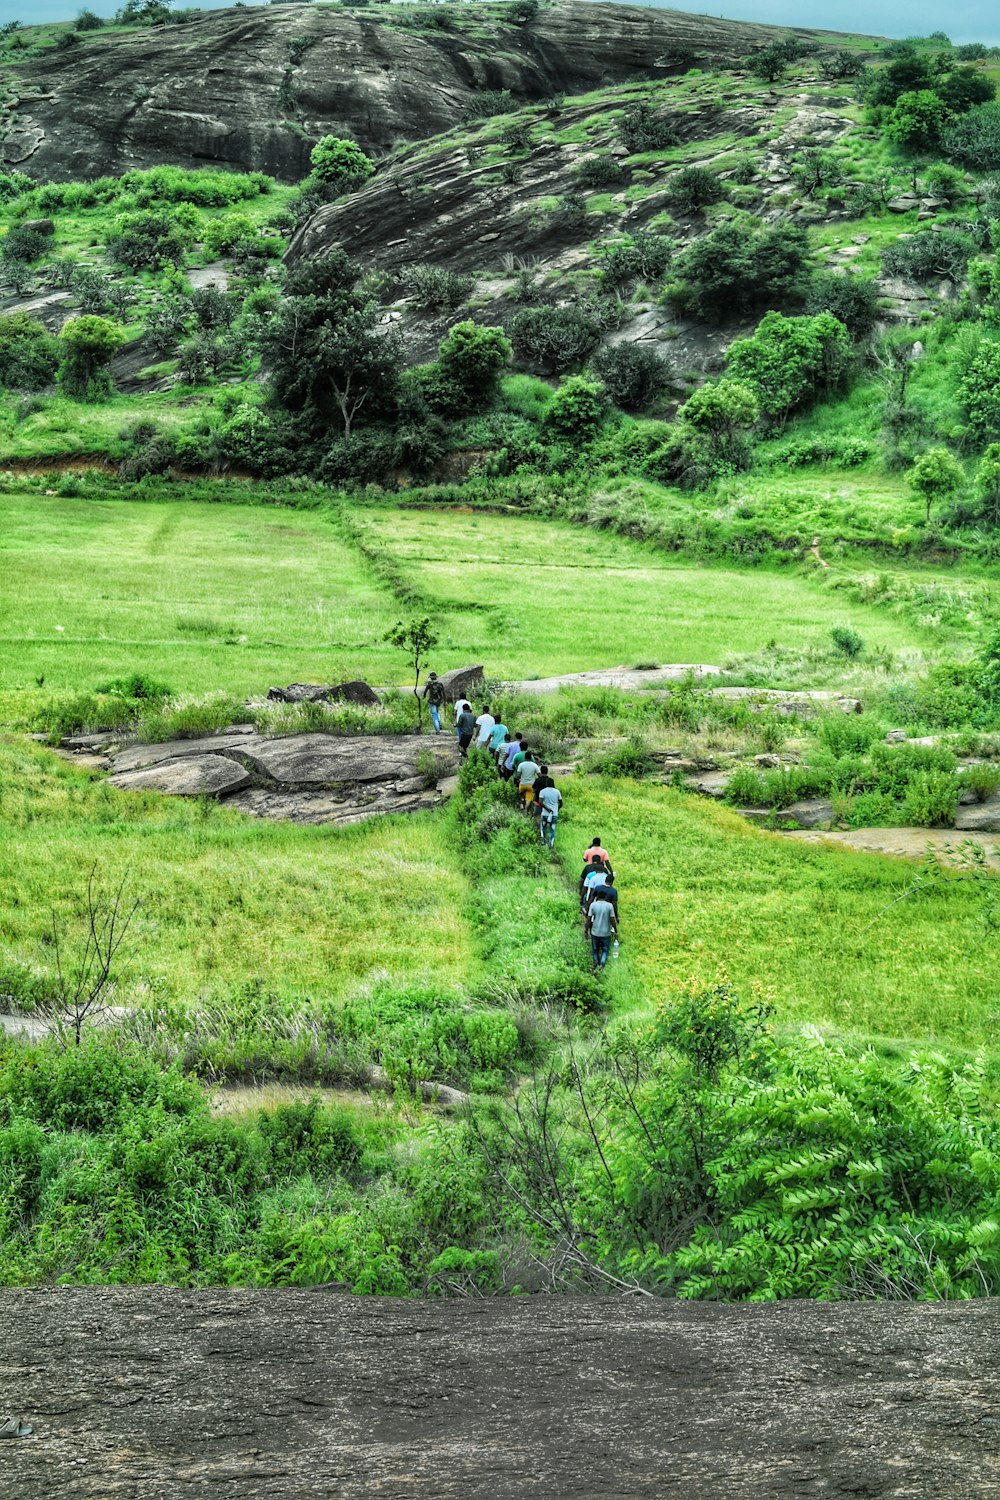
[435,695]
[549,801]
[602,926]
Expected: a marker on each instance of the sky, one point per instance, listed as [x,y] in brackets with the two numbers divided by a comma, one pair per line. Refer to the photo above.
[969,21]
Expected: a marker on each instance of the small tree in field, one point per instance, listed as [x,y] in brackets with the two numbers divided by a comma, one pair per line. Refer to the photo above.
[416,638]
[937,475]
[89,344]
[85,978]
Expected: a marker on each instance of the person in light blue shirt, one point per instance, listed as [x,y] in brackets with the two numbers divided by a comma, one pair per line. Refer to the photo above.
[498,734]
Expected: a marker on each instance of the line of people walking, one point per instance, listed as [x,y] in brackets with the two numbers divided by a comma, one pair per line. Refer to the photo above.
[540,797]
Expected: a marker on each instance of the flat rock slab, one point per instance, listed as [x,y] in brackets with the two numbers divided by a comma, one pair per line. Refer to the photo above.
[904,843]
[281,1395]
[979,817]
[787,700]
[630,679]
[306,760]
[137,757]
[196,776]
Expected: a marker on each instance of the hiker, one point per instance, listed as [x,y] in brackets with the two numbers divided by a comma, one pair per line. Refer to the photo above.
[527,773]
[462,706]
[507,767]
[466,728]
[484,724]
[549,801]
[498,734]
[501,753]
[596,874]
[435,695]
[596,851]
[602,926]
[542,780]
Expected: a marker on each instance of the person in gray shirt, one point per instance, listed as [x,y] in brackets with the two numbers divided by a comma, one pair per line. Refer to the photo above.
[602,926]
[550,801]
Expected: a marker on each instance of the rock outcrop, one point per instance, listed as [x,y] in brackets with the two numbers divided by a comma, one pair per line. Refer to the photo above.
[356,692]
[307,778]
[281,1394]
[255,88]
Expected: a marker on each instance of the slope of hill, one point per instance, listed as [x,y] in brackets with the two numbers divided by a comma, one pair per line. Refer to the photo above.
[255,88]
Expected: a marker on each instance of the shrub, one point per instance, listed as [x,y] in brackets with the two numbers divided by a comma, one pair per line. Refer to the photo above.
[474,357]
[29,355]
[745,788]
[917,120]
[973,140]
[20,244]
[148,241]
[946,254]
[852,300]
[693,188]
[981,780]
[577,410]
[977,390]
[601,172]
[340,164]
[644,255]
[741,265]
[89,343]
[847,640]
[931,799]
[435,290]
[642,129]
[896,766]
[486,103]
[222,234]
[554,338]
[789,362]
[633,374]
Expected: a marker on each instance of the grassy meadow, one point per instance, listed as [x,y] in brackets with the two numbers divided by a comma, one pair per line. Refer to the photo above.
[235,597]
[820,928]
[227,901]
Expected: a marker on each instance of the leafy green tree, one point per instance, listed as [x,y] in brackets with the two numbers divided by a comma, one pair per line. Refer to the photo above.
[694,188]
[89,345]
[964,88]
[29,355]
[813,169]
[150,240]
[88,20]
[937,476]
[341,164]
[906,74]
[632,374]
[643,129]
[474,356]
[788,362]
[979,390]
[721,416]
[577,411]
[327,354]
[769,64]
[988,485]
[739,266]
[852,299]
[917,120]
[417,639]
[842,64]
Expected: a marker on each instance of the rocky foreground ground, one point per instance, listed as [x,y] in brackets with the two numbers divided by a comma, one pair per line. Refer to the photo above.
[147,1392]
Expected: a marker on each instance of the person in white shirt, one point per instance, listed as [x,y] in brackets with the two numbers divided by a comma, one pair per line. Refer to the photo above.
[484,724]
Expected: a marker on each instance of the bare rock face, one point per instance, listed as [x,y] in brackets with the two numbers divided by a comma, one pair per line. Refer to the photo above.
[238,88]
[356,692]
[308,778]
[460,682]
[282,1394]
[198,776]
[979,817]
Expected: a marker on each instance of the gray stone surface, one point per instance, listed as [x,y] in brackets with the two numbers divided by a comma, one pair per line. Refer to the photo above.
[979,817]
[788,700]
[283,1395]
[194,776]
[630,679]
[461,681]
[317,760]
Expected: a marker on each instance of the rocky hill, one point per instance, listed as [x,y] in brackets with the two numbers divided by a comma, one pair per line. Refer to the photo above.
[254,88]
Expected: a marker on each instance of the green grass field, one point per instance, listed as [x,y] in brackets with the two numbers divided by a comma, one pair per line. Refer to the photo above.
[226,900]
[237,597]
[817,926]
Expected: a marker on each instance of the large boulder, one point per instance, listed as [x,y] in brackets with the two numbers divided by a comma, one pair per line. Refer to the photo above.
[326,760]
[980,817]
[461,682]
[355,691]
[197,776]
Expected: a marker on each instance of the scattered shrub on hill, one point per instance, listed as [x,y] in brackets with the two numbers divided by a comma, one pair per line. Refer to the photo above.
[852,299]
[979,389]
[486,103]
[436,290]
[89,343]
[917,120]
[554,338]
[693,188]
[577,410]
[340,164]
[473,357]
[842,64]
[643,129]
[601,171]
[813,169]
[632,374]
[848,641]
[769,64]
[937,476]
[974,139]
[21,244]
[739,266]
[641,256]
[946,254]
[29,355]
[716,424]
[789,362]
[149,240]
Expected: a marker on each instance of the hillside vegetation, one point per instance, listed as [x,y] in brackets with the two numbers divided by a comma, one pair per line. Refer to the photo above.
[550,337]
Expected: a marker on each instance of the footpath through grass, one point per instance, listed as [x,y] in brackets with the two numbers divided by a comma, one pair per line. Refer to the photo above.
[228,901]
[701,890]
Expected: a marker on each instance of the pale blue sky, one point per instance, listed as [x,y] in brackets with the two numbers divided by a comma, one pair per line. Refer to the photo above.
[971,21]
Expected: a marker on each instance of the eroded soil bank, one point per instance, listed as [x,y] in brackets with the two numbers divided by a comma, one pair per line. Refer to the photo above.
[140,1391]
